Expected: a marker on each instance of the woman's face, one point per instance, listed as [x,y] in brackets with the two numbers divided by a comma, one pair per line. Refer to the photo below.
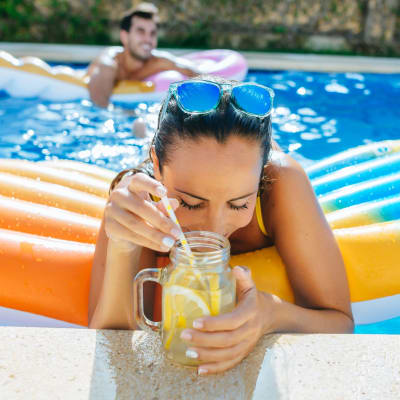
[215,184]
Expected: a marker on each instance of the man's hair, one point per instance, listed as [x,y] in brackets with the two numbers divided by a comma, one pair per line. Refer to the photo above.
[142,10]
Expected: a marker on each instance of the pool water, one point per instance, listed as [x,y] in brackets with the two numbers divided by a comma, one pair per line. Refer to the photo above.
[316,115]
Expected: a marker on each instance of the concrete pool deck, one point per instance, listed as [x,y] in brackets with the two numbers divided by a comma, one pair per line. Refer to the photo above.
[256,60]
[45,363]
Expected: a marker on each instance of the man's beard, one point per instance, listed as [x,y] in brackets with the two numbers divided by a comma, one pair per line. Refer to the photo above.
[136,55]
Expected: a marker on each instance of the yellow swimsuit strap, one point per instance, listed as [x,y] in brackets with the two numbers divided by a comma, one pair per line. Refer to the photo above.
[259,216]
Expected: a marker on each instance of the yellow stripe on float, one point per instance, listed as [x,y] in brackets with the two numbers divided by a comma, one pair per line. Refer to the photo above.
[350,217]
[371,254]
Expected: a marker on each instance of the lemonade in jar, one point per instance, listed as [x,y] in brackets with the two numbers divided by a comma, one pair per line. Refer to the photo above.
[194,286]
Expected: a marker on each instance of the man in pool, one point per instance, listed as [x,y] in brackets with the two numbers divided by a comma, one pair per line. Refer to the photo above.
[137,59]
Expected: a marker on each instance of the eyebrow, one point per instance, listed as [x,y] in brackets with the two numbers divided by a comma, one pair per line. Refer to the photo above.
[202,198]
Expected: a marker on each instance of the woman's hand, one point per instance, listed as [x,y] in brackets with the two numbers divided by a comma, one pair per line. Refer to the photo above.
[131,216]
[223,341]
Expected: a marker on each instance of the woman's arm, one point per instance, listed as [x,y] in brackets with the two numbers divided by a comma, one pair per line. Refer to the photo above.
[290,317]
[133,228]
[309,251]
[115,265]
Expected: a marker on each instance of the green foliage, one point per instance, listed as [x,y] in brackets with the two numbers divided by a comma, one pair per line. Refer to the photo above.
[279,29]
[54,21]
[196,35]
[65,25]
[198,23]
[16,18]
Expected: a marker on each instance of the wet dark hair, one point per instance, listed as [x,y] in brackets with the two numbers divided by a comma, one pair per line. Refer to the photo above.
[143,10]
[222,123]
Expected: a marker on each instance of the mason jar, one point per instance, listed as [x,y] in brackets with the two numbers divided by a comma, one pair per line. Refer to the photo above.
[192,287]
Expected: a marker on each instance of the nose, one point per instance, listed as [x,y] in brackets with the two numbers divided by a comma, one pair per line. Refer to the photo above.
[216,222]
[148,38]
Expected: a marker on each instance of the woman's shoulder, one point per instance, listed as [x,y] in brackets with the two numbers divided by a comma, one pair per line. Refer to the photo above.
[282,164]
[283,176]
[286,187]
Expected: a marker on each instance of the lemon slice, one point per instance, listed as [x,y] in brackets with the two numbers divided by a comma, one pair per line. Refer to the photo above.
[182,277]
[186,276]
[188,302]
[167,315]
[180,304]
[168,319]
[215,294]
[169,338]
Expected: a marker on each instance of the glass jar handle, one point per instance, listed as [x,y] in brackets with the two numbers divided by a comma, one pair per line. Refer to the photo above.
[149,274]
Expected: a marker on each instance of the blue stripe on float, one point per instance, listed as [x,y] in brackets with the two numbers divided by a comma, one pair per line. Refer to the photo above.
[388,327]
[357,173]
[353,156]
[374,189]
[370,212]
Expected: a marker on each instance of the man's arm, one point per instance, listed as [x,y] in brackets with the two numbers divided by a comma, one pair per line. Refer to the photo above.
[102,74]
[101,82]
[163,61]
[180,64]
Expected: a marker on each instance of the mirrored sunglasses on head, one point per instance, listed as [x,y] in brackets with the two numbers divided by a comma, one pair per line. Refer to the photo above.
[202,96]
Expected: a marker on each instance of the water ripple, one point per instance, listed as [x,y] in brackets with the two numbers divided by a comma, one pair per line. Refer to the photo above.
[316,115]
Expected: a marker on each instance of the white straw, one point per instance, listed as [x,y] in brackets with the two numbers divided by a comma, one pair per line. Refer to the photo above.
[182,237]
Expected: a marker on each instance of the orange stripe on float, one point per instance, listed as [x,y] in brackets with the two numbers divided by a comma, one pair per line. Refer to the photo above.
[45,276]
[73,180]
[51,194]
[38,219]
[93,171]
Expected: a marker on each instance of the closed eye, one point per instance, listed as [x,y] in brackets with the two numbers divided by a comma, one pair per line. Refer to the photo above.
[189,206]
[238,208]
[198,206]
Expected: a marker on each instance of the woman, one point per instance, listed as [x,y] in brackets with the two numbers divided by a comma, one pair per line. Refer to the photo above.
[213,155]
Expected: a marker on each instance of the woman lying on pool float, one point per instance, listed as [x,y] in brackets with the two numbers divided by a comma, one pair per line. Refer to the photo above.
[214,156]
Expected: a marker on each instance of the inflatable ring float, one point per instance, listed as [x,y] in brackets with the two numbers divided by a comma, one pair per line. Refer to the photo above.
[50,214]
[32,77]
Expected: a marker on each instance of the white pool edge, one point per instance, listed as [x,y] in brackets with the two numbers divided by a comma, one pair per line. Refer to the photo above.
[256,60]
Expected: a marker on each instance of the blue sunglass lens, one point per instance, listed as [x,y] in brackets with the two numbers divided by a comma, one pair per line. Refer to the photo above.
[198,96]
[252,99]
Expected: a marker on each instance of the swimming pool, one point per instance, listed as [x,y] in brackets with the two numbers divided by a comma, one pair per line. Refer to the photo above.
[316,115]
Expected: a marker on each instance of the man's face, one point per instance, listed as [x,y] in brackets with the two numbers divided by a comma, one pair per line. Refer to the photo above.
[141,38]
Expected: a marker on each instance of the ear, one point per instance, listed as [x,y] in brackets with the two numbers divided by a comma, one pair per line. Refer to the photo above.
[123,36]
[156,164]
